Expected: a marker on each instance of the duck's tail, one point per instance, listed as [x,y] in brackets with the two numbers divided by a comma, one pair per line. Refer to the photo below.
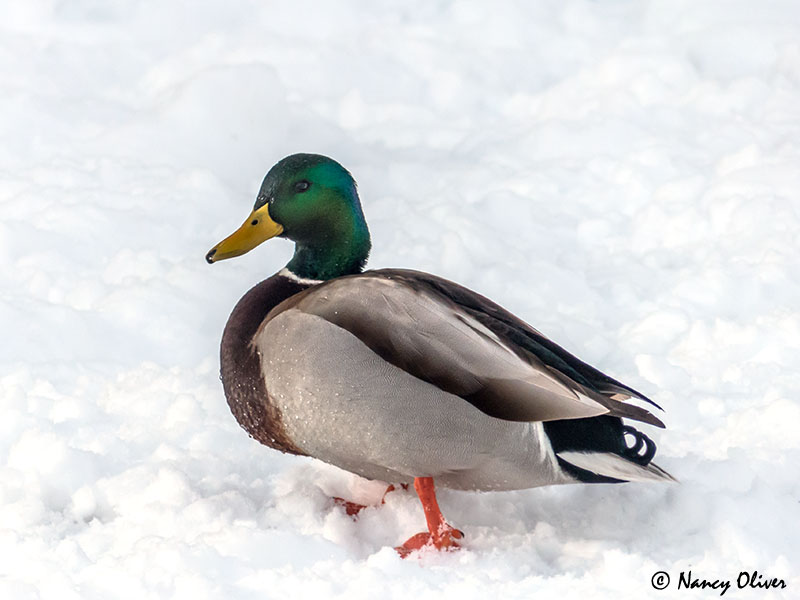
[596,450]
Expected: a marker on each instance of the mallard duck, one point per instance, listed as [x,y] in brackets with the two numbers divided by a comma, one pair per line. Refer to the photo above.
[405,377]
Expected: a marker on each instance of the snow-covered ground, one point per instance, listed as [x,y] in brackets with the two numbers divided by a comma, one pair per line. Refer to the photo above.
[624,175]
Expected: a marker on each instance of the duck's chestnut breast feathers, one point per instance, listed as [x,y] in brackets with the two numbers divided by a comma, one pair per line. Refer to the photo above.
[240,367]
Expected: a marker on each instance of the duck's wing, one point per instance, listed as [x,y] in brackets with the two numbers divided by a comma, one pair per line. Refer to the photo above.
[466,345]
[519,332]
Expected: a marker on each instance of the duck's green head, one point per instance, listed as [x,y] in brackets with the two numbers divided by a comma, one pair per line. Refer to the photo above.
[312,200]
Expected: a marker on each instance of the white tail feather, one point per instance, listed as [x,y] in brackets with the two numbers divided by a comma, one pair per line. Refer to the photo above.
[613,465]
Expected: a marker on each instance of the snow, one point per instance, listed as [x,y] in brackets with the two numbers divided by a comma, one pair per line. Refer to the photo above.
[621,174]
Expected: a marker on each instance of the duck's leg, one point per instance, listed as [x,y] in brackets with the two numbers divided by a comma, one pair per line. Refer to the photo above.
[439,535]
[353,508]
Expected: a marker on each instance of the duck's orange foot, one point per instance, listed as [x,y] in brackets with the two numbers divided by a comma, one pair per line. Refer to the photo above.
[351,508]
[446,540]
[439,535]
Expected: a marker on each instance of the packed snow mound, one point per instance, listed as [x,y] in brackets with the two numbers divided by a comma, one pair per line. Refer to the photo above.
[622,175]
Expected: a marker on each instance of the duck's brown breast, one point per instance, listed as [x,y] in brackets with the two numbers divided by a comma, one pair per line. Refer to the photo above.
[240,367]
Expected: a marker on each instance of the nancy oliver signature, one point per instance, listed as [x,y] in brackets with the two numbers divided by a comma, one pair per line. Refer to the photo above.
[746,579]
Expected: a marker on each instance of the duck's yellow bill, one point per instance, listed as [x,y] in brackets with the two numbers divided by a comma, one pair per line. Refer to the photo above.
[257,228]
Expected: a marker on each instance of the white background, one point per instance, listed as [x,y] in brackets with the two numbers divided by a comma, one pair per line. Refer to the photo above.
[624,175]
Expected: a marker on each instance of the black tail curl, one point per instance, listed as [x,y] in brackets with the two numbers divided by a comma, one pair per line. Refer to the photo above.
[599,434]
[643,449]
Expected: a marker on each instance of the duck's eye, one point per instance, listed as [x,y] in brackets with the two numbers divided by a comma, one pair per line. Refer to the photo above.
[301,186]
